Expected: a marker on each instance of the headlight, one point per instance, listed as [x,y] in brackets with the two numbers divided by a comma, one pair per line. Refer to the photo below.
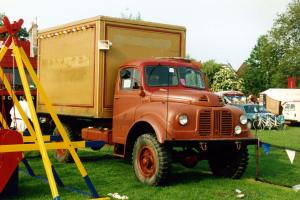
[243,119]
[183,119]
[237,130]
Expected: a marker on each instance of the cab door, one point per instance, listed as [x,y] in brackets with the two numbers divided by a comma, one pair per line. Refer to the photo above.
[127,98]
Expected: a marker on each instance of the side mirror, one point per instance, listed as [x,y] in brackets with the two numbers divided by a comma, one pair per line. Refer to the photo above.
[142,92]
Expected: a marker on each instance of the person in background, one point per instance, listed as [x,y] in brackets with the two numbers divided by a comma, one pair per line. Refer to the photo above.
[17,123]
[252,99]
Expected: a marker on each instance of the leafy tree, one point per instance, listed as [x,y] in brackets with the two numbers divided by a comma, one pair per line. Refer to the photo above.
[259,70]
[227,79]
[276,54]
[128,15]
[286,37]
[23,33]
[210,68]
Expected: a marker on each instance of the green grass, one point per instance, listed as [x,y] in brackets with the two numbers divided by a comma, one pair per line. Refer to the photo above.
[289,137]
[111,175]
[275,166]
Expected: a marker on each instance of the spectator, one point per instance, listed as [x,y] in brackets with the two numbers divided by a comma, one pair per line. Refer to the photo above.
[17,122]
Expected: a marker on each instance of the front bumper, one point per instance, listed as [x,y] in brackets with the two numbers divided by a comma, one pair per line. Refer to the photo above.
[213,141]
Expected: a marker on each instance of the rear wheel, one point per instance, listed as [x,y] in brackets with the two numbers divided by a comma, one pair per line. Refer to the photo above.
[63,155]
[151,160]
[229,162]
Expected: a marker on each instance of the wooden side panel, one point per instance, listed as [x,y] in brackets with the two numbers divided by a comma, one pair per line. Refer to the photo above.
[273,105]
[136,42]
[67,72]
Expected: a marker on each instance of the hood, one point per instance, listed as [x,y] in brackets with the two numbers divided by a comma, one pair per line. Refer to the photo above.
[188,96]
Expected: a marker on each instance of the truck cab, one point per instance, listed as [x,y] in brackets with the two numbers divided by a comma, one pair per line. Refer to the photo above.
[164,104]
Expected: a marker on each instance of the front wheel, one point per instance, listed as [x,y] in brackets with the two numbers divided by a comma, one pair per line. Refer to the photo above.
[151,160]
[229,162]
[63,155]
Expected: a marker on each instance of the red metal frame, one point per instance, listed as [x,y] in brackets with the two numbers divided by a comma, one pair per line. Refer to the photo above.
[9,161]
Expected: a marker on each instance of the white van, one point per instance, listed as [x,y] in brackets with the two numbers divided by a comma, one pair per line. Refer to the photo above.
[291,111]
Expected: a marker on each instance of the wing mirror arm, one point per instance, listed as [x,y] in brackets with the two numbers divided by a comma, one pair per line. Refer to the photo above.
[142,91]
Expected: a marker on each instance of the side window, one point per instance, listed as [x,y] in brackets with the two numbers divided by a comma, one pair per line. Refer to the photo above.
[130,79]
[292,108]
[286,107]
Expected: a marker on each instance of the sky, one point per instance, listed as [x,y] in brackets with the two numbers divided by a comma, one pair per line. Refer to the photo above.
[223,30]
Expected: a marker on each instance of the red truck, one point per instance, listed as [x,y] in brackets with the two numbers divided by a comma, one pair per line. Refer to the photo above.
[155,111]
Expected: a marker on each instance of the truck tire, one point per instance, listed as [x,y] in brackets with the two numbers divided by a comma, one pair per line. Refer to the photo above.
[63,155]
[229,162]
[151,160]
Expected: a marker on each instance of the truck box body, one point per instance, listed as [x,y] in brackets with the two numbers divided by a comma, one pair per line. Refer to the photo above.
[77,68]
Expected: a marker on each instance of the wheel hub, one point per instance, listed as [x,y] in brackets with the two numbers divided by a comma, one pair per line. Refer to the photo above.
[147,162]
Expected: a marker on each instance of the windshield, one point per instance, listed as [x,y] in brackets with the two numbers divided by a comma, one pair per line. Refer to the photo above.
[172,76]
[254,109]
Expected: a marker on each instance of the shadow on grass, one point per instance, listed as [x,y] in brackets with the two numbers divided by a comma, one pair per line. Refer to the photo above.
[191,176]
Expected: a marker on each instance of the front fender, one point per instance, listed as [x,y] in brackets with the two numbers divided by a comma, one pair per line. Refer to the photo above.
[158,125]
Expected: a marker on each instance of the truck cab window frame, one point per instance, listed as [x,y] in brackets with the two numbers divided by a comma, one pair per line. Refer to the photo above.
[130,79]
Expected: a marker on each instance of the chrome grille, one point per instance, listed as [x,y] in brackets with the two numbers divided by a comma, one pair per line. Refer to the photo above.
[216,123]
[205,122]
[226,125]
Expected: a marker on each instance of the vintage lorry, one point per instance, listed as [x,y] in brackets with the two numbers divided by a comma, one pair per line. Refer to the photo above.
[123,82]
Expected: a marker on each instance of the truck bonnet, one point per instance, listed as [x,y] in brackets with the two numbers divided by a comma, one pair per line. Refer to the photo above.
[188,96]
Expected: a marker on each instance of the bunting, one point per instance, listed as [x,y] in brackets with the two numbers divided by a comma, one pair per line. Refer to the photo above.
[266,148]
[291,154]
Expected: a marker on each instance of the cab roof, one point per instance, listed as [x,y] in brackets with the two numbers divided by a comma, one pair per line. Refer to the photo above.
[173,61]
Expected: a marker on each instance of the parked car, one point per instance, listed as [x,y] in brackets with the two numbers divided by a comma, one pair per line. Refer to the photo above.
[232,97]
[258,117]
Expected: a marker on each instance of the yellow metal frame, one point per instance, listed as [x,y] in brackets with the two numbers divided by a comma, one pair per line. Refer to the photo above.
[36,138]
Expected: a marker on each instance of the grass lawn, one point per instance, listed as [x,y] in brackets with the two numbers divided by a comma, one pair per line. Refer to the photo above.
[275,166]
[111,175]
[289,137]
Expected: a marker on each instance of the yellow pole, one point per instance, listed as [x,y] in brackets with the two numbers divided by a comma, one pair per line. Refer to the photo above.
[2,120]
[2,53]
[9,88]
[54,116]
[5,47]
[43,150]
[16,102]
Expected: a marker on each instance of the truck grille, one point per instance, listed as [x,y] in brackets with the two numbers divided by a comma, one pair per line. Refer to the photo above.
[215,123]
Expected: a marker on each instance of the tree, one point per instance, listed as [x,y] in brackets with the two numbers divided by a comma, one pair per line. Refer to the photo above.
[210,68]
[227,79]
[23,33]
[259,68]
[128,15]
[276,54]
[286,36]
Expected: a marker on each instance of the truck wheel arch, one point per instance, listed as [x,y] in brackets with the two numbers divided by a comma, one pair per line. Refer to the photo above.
[139,128]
